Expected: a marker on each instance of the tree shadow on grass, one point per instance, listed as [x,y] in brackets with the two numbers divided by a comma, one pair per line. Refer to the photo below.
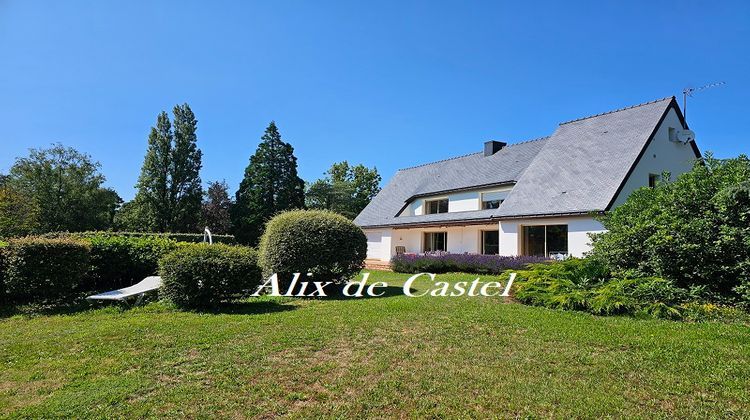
[80,305]
[335,292]
[248,307]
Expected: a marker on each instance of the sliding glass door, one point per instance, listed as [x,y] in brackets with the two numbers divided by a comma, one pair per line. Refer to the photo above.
[434,241]
[545,240]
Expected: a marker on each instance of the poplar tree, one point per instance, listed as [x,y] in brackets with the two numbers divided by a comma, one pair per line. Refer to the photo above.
[169,187]
[270,185]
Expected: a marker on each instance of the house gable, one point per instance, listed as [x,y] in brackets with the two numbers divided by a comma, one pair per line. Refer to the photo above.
[584,163]
[659,155]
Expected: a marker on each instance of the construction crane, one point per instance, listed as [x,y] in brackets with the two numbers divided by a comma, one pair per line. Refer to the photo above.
[689,92]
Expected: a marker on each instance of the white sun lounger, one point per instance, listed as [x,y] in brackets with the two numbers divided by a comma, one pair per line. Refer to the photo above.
[139,289]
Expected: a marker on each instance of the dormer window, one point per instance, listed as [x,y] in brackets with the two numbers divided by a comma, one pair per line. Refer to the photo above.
[436,206]
[491,204]
[492,200]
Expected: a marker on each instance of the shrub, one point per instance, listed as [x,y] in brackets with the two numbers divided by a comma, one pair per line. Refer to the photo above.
[694,231]
[39,270]
[121,261]
[443,262]
[2,271]
[586,285]
[323,243]
[204,275]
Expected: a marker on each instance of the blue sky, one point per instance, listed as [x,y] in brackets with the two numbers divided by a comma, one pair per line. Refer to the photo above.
[388,83]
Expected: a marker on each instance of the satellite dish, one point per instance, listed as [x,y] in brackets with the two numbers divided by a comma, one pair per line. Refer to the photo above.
[685,136]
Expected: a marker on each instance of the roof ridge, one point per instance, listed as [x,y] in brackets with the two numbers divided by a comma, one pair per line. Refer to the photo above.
[618,110]
[439,161]
[528,141]
[470,154]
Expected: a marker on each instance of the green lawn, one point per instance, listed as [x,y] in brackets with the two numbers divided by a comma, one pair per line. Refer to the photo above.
[387,357]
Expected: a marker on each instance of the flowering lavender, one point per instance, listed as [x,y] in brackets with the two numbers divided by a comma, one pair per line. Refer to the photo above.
[443,262]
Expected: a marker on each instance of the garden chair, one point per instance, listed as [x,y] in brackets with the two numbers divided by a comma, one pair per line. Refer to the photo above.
[139,289]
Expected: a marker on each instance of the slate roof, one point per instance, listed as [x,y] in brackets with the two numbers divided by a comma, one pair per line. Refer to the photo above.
[579,169]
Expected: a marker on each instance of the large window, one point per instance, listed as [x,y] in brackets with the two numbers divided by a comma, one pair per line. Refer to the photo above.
[490,242]
[435,241]
[436,206]
[545,241]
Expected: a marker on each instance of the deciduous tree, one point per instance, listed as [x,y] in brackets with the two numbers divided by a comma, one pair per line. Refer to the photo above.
[66,186]
[169,187]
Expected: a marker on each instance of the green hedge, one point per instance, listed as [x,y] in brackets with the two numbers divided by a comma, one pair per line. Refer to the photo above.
[121,261]
[179,237]
[204,275]
[323,243]
[3,245]
[42,270]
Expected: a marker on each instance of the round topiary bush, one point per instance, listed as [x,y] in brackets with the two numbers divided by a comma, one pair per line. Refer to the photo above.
[203,275]
[39,270]
[323,243]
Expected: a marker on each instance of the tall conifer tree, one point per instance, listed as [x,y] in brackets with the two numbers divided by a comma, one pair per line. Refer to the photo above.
[270,185]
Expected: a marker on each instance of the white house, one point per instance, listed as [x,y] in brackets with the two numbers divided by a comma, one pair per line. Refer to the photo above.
[530,198]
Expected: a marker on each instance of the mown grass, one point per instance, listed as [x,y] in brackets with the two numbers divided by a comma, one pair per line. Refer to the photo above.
[386,357]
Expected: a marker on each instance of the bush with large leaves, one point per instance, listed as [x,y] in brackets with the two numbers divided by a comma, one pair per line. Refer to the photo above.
[323,243]
[694,231]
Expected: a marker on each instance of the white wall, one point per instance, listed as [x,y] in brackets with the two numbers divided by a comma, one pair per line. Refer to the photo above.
[463,201]
[579,242]
[460,239]
[661,155]
[379,244]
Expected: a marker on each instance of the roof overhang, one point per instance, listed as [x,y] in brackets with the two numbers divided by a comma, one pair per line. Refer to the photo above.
[481,221]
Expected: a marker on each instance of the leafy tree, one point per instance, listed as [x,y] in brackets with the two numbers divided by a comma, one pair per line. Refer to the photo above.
[694,231]
[19,213]
[132,217]
[169,187]
[66,185]
[270,185]
[216,207]
[346,190]
[185,192]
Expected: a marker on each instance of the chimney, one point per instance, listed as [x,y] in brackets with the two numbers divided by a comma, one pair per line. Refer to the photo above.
[491,147]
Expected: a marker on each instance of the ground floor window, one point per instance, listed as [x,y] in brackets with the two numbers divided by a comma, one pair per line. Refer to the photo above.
[490,242]
[545,240]
[435,241]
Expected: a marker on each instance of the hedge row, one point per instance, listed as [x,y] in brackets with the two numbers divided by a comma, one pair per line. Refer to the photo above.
[42,270]
[48,270]
[179,237]
[443,262]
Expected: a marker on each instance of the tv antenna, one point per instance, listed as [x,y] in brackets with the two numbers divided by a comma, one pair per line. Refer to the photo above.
[689,92]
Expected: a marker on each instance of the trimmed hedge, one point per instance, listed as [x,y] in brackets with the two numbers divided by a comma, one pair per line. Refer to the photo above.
[443,262]
[121,261]
[204,275]
[323,243]
[179,237]
[40,270]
